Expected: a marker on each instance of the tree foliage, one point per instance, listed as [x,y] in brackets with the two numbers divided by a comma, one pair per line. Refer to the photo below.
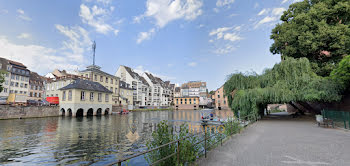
[290,80]
[316,29]
[2,79]
[342,72]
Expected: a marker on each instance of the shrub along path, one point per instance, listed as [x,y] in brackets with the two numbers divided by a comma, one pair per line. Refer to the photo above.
[282,140]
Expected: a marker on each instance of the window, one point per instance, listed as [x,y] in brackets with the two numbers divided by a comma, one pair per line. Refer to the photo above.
[116,90]
[16,84]
[39,94]
[25,92]
[26,85]
[6,82]
[87,75]
[21,85]
[31,87]
[5,90]
[106,79]
[111,89]
[101,79]
[11,91]
[107,97]
[22,78]
[190,101]
[91,96]
[194,101]
[82,95]
[31,94]
[64,96]
[12,83]
[218,96]
[13,76]
[34,94]
[20,92]
[16,91]
[70,95]
[224,101]
[17,77]
[95,77]
[177,101]
[111,81]
[185,101]
[99,97]
[181,101]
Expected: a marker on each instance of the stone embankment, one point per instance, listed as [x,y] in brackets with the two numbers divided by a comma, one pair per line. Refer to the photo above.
[16,112]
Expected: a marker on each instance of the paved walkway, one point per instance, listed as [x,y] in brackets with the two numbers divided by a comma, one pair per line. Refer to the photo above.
[283,141]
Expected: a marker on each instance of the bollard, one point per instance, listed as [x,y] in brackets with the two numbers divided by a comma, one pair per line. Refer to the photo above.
[178,151]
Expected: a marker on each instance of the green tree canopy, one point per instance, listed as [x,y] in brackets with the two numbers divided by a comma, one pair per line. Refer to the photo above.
[342,72]
[316,29]
[291,80]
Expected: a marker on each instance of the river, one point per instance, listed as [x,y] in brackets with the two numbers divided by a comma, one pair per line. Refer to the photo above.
[86,140]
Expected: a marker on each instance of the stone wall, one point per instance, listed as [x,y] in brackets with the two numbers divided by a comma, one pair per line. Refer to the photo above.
[11,112]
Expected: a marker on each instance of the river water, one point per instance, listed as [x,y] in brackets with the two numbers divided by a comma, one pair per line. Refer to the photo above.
[85,140]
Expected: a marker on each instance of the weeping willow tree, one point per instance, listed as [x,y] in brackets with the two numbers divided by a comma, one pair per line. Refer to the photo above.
[292,80]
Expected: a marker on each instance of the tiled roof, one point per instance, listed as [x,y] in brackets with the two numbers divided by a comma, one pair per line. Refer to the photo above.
[86,85]
[35,77]
[17,64]
[135,75]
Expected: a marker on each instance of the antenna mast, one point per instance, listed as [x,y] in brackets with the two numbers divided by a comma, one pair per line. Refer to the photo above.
[93,50]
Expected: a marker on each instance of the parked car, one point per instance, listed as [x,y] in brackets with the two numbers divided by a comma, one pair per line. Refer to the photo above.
[32,102]
[43,103]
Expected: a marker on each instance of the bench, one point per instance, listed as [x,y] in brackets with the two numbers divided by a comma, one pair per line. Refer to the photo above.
[324,121]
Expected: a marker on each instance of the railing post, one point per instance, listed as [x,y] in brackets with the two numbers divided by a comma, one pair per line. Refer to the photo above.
[221,135]
[119,163]
[178,151]
[344,119]
[205,143]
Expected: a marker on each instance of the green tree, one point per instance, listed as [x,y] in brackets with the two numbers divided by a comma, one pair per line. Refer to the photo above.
[2,79]
[342,72]
[292,80]
[316,29]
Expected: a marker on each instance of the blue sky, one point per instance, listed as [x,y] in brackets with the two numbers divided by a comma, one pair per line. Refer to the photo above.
[178,40]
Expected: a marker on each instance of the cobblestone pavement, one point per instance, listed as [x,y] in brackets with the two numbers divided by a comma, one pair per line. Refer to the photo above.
[283,141]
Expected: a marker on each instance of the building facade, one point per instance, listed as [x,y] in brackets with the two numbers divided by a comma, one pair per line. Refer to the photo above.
[186,103]
[36,87]
[53,85]
[19,78]
[194,88]
[85,98]
[126,94]
[6,84]
[111,82]
[137,82]
[220,99]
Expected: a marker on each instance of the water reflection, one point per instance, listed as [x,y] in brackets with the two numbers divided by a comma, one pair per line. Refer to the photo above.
[88,140]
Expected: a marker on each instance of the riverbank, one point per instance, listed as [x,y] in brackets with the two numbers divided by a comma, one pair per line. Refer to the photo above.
[156,109]
[19,112]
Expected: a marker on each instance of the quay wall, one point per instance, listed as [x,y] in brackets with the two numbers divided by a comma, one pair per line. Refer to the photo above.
[16,112]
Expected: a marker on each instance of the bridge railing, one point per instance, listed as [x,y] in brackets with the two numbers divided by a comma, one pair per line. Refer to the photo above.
[339,118]
[209,139]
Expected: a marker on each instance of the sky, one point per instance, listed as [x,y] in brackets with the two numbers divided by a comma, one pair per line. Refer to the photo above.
[177,40]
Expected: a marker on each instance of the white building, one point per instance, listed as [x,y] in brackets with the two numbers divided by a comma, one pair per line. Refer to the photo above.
[137,82]
[160,93]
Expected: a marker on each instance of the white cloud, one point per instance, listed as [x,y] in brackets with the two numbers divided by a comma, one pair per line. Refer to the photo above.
[165,11]
[269,16]
[36,57]
[225,39]
[145,35]
[220,3]
[192,64]
[24,36]
[97,18]
[4,11]
[284,1]
[116,32]
[278,11]
[256,5]
[78,42]
[262,12]
[22,15]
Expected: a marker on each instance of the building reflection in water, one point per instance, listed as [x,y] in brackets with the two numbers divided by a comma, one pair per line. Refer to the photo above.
[86,140]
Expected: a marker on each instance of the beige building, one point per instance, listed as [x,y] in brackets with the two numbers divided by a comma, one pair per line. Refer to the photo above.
[186,103]
[220,99]
[36,87]
[85,98]
[53,85]
[126,94]
[111,82]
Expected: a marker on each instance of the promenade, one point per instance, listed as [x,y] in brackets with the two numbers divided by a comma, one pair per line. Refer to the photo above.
[283,141]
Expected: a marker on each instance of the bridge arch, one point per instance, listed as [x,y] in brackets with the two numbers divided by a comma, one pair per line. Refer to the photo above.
[70,113]
[80,112]
[99,112]
[107,111]
[63,112]
[90,112]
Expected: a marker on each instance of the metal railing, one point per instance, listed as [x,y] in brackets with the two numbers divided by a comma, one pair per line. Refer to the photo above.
[339,118]
[243,120]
